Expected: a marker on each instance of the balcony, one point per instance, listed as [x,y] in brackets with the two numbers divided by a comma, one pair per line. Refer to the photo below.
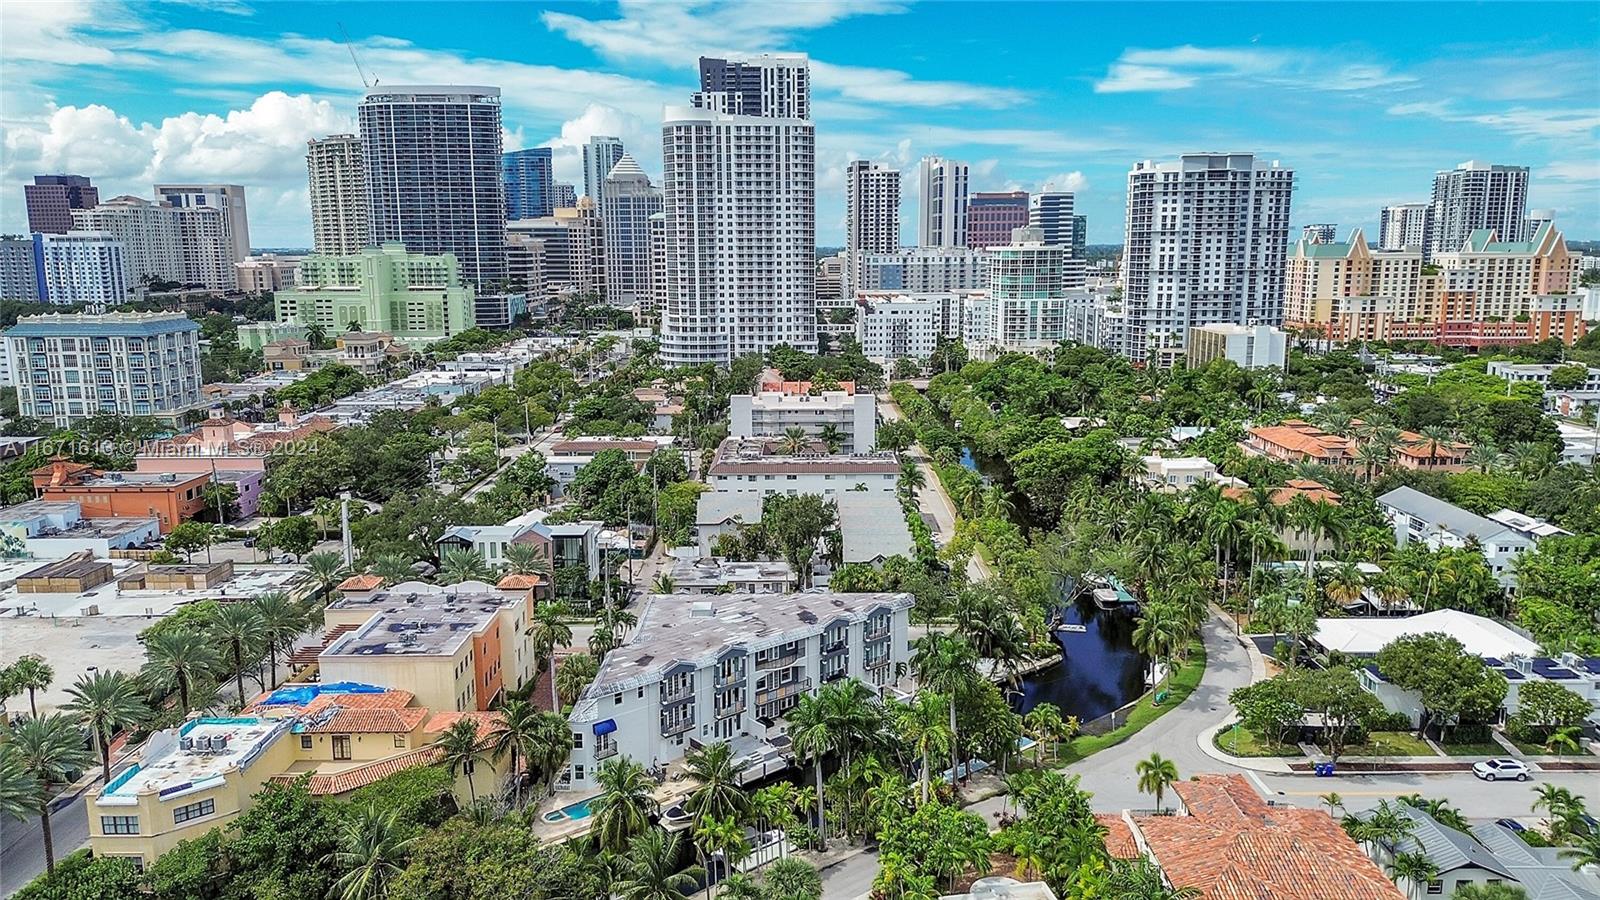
[608,751]
[668,729]
[777,662]
[876,633]
[782,691]
[725,680]
[877,663]
[837,646]
[724,711]
[685,692]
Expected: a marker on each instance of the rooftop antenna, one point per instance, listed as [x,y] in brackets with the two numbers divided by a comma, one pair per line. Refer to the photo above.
[350,45]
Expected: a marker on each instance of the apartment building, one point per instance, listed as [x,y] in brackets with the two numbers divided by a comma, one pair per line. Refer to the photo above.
[942,217]
[714,575]
[203,774]
[1206,242]
[566,457]
[529,182]
[431,155]
[1025,307]
[900,325]
[18,279]
[1294,441]
[169,497]
[740,213]
[87,267]
[267,272]
[600,155]
[727,668]
[1486,292]
[1539,373]
[630,201]
[229,198]
[1405,225]
[1501,536]
[1477,196]
[51,199]
[924,269]
[337,181]
[772,413]
[454,647]
[1051,213]
[415,297]
[163,242]
[1247,346]
[872,217]
[1320,233]
[74,366]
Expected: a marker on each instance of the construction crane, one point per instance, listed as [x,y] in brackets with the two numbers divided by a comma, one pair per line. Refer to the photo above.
[350,45]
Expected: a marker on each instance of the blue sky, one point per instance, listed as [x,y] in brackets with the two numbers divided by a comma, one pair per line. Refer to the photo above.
[1364,101]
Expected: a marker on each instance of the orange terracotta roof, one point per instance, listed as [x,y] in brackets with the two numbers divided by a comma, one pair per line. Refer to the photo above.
[1119,837]
[363,582]
[1303,438]
[517,582]
[1233,846]
[363,775]
[441,722]
[371,721]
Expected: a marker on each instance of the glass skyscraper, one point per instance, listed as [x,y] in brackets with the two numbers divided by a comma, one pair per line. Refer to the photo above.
[530,183]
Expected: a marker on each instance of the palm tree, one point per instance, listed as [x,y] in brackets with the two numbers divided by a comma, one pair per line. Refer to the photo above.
[813,737]
[282,620]
[1318,520]
[549,631]
[1332,801]
[1585,851]
[241,628]
[922,726]
[392,568]
[663,584]
[514,734]
[831,435]
[32,674]
[774,807]
[180,659]
[1483,457]
[462,751]
[1155,775]
[52,750]
[20,793]
[716,773]
[1435,436]
[1563,741]
[793,879]
[1372,459]
[911,479]
[530,559]
[650,870]
[1159,634]
[372,848]
[1415,868]
[1345,583]
[946,665]
[624,806]
[106,702]
[550,745]
[325,568]
[794,440]
[459,564]
[1044,722]
[574,674]
[724,835]
[740,886]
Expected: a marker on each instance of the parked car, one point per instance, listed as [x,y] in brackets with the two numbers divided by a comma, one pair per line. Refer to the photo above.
[1512,824]
[1502,767]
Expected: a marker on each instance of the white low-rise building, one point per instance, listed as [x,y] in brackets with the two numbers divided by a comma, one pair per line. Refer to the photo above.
[854,416]
[1502,537]
[711,575]
[892,326]
[1246,346]
[756,466]
[1178,473]
[565,458]
[1579,443]
[698,670]
[55,529]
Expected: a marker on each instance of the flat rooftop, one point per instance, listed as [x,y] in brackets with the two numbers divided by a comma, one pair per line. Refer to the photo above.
[166,767]
[110,599]
[697,628]
[421,631]
[99,528]
[138,479]
[740,456]
[409,595]
[34,509]
[713,569]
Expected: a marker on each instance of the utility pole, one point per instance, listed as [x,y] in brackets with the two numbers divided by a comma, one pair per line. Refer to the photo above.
[344,527]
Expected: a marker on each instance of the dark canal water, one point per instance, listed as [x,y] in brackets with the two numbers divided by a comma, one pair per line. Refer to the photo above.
[1100,671]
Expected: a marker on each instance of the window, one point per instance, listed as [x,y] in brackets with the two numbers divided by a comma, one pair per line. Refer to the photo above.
[1436,886]
[616,699]
[577,772]
[399,740]
[341,746]
[119,824]
[305,742]
[193,811]
[577,740]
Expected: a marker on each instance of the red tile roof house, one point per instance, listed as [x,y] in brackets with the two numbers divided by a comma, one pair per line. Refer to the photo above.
[1229,844]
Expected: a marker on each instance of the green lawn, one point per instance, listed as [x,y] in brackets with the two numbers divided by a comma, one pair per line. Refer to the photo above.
[1535,749]
[1244,742]
[1487,749]
[1391,743]
[1182,685]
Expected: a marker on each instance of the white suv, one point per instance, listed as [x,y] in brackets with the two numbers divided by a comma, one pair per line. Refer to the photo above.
[1495,769]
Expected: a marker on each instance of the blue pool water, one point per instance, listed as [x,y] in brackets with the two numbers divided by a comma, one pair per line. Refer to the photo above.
[575,811]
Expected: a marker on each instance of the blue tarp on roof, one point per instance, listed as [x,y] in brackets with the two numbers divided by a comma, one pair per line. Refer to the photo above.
[301,694]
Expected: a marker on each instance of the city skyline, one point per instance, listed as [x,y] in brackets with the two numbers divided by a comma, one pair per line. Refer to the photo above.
[231,92]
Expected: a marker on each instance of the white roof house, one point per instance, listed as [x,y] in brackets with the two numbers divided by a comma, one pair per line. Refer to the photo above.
[1480,636]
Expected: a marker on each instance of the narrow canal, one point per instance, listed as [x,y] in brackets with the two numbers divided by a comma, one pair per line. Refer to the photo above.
[1100,671]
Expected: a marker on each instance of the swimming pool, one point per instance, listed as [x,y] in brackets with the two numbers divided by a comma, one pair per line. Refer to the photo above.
[571,812]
